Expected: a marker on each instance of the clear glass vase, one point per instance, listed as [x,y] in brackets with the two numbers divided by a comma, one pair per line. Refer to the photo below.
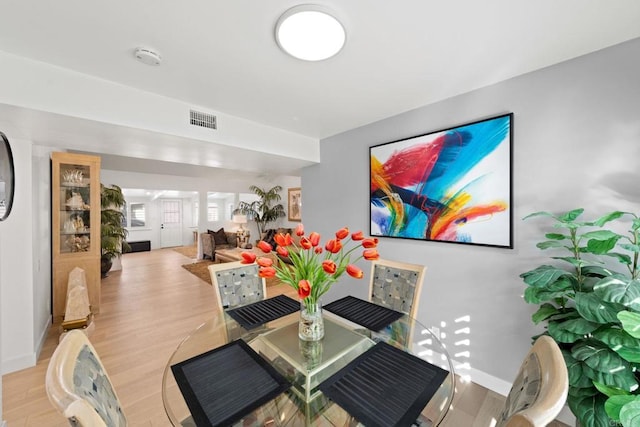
[311,325]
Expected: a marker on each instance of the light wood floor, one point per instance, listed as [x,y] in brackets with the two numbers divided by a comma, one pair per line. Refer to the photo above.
[147,308]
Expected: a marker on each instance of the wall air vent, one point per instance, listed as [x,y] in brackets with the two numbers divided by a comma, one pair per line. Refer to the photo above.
[204,120]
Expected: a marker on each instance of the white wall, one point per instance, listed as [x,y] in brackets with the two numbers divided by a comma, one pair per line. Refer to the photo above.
[16,268]
[576,144]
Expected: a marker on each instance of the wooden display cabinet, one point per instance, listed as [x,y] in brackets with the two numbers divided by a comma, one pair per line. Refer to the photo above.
[75,227]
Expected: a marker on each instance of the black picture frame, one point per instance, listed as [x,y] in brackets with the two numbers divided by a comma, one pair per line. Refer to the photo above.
[451,185]
[7,177]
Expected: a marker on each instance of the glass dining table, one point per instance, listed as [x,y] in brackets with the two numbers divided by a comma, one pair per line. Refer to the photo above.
[306,365]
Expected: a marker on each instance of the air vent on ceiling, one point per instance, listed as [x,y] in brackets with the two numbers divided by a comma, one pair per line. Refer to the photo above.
[204,120]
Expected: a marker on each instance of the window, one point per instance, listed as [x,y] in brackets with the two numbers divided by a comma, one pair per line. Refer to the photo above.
[212,212]
[196,212]
[138,215]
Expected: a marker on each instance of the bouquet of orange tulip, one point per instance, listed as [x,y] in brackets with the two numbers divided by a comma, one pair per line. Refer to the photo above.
[314,268]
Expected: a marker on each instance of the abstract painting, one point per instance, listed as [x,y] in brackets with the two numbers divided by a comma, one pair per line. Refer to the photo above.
[452,185]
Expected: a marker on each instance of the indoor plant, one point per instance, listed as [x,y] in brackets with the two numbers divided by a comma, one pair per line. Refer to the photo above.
[593,312]
[263,211]
[112,232]
[313,269]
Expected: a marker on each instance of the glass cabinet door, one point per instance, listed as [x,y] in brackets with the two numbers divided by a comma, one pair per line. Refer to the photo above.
[75,209]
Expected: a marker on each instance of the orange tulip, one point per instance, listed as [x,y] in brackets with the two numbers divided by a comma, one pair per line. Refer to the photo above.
[354,271]
[248,257]
[279,239]
[265,262]
[333,246]
[342,233]
[370,243]
[305,242]
[329,266]
[358,235]
[300,230]
[264,246]
[267,272]
[370,254]
[318,250]
[304,288]
[314,238]
[282,251]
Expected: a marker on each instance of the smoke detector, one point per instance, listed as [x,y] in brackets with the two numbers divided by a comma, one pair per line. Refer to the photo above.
[147,56]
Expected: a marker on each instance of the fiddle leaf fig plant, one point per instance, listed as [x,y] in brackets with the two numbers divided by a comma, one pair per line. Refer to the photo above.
[590,303]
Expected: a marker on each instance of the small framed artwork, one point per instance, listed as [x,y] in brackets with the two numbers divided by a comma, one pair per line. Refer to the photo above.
[451,185]
[295,204]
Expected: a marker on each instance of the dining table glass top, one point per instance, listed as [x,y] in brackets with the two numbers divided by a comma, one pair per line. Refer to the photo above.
[306,365]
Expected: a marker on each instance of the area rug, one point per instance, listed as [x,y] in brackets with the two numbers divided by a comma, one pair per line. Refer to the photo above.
[188,251]
[200,269]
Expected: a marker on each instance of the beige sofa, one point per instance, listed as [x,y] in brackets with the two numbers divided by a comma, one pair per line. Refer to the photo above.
[209,244]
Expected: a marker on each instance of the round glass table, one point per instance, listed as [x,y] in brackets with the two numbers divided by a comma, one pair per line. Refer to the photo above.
[308,364]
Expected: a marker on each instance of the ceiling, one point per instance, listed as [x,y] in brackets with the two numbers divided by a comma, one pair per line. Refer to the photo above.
[399,55]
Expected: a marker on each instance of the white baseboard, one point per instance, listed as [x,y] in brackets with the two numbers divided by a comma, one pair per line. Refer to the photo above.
[27,360]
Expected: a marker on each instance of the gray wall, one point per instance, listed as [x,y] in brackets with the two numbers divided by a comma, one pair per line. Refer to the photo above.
[576,143]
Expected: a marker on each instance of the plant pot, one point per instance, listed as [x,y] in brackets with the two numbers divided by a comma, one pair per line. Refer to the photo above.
[105,266]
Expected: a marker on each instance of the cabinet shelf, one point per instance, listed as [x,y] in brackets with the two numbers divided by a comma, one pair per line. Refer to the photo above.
[72,233]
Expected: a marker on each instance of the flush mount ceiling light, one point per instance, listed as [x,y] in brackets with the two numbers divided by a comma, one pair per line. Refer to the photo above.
[310,32]
[147,56]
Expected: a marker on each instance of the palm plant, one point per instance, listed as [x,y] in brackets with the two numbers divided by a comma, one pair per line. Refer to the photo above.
[263,211]
[112,232]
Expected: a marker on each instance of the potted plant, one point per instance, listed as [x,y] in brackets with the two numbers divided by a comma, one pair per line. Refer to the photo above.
[593,312]
[263,211]
[112,232]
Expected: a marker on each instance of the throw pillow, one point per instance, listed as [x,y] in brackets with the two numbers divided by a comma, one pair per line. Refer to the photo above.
[219,237]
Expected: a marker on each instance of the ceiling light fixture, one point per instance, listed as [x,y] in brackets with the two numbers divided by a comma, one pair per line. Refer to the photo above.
[310,32]
[147,56]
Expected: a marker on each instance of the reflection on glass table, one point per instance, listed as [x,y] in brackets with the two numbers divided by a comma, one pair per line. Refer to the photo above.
[308,364]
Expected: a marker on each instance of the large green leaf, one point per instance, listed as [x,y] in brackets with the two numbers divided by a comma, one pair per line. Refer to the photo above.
[622,258]
[610,391]
[600,235]
[540,213]
[600,247]
[579,326]
[629,354]
[571,215]
[623,379]
[621,291]
[543,276]
[630,414]
[616,337]
[577,379]
[608,217]
[630,323]
[544,312]
[562,335]
[599,356]
[537,296]
[630,247]
[597,271]
[590,411]
[614,404]
[550,244]
[594,309]
[571,260]
[556,236]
